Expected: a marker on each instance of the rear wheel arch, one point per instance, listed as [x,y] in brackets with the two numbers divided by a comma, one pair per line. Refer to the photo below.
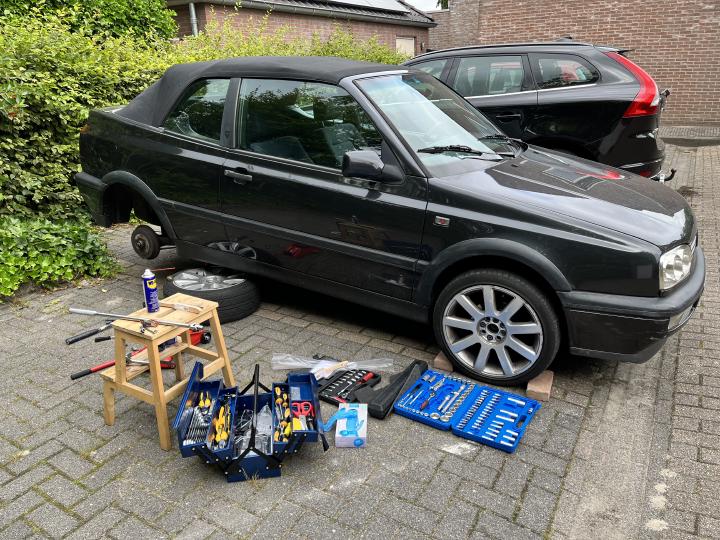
[126,192]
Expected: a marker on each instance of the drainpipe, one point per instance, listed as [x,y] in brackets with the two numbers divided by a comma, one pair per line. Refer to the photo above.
[193,18]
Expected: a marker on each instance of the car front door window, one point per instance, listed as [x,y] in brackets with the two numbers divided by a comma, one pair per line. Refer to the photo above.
[303,121]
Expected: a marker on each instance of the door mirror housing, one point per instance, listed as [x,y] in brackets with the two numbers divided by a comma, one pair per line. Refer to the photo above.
[363,164]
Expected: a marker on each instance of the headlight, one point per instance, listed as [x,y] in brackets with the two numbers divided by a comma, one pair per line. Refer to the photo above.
[675,266]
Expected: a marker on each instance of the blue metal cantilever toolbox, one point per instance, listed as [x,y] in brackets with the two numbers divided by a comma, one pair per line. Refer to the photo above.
[479,413]
[244,433]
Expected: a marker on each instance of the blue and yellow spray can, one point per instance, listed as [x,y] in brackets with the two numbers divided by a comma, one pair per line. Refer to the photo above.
[152,301]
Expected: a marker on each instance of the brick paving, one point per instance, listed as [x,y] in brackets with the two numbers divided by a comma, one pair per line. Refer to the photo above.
[620,450]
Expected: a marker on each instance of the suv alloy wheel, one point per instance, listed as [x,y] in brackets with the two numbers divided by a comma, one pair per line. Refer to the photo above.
[496,326]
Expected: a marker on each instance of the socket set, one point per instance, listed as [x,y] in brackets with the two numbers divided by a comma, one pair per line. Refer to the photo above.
[478,413]
[341,386]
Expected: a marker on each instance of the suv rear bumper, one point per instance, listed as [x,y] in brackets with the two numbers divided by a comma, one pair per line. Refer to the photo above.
[630,328]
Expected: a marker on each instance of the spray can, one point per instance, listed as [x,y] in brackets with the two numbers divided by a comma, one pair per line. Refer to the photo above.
[151,293]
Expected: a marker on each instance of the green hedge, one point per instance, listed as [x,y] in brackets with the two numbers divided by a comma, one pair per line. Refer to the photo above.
[110,17]
[52,73]
[49,252]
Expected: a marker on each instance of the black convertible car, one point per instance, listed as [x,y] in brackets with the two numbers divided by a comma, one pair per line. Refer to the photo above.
[381,185]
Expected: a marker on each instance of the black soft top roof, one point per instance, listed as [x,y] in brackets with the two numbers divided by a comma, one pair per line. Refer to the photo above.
[153,105]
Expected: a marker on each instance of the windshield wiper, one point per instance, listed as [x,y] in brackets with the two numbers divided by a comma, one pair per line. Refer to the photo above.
[460,148]
[504,138]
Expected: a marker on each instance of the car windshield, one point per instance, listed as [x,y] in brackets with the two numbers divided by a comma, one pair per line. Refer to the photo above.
[448,134]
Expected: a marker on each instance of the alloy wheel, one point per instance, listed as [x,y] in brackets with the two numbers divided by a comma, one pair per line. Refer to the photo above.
[493,331]
[199,279]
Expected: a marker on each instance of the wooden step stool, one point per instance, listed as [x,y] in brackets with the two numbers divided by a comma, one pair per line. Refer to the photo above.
[118,377]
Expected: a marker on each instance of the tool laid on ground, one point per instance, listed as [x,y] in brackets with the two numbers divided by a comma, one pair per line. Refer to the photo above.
[380,402]
[341,387]
[478,413]
[147,322]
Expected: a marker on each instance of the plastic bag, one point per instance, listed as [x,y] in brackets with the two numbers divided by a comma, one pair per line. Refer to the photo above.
[324,368]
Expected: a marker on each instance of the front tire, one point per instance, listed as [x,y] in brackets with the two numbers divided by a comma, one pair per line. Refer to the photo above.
[496,327]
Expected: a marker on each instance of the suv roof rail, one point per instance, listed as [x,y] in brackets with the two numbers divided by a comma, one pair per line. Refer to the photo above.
[561,42]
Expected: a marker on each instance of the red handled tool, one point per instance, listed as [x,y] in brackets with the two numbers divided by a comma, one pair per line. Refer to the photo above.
[165,363]
[302,408]
[196,336]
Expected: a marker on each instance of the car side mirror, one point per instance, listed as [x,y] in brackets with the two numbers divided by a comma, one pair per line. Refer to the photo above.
[363,164]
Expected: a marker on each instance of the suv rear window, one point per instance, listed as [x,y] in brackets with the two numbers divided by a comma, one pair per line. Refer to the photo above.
[557,71]
[489,75]
[199,113]
[432,67]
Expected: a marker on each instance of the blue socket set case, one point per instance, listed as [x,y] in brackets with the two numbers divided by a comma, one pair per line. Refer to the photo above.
[245,433]
[478,413]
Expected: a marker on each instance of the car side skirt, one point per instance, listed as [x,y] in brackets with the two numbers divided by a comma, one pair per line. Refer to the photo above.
[401,308]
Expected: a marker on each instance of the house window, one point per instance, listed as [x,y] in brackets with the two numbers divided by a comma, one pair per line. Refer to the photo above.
[405,45]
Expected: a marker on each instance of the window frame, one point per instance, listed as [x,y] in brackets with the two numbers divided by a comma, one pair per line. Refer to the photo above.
[535,57]
[234,116]
[528,82]
[222,142]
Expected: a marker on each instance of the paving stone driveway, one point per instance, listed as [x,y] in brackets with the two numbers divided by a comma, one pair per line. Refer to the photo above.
[620,451]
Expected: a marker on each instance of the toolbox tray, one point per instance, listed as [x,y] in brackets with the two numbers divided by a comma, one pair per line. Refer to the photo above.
[196,385]
[251,462]
[485,415]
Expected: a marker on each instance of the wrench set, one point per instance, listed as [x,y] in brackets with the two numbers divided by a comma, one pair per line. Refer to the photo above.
[478,413]
[341,387]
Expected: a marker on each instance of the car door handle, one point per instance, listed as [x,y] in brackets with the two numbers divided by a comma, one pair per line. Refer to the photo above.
[508,116]
[238,177]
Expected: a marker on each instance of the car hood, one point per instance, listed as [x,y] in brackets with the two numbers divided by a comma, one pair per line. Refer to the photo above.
[589,191]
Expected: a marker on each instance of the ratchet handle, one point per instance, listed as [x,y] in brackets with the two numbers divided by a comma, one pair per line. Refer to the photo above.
[82,335]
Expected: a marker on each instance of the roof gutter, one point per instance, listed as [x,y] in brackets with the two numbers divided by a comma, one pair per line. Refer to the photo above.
[317,12]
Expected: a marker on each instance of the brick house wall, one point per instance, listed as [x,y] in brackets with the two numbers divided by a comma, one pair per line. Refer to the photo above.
[677,42]
[301,25]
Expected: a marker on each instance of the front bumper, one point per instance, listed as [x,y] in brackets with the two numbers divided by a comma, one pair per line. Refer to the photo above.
[630,328]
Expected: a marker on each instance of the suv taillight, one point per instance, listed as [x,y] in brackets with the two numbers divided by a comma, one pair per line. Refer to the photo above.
[647,101]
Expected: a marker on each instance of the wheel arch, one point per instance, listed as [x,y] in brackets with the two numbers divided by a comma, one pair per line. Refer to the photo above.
[125,192]
[492,253]
[516,258]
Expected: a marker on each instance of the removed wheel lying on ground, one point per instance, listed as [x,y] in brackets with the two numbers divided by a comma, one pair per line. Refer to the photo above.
[236,296]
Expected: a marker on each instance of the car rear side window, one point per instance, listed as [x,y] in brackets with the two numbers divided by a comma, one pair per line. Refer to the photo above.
[199,112]
[489,75]
[558,70]
[303,121]
[432,67]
